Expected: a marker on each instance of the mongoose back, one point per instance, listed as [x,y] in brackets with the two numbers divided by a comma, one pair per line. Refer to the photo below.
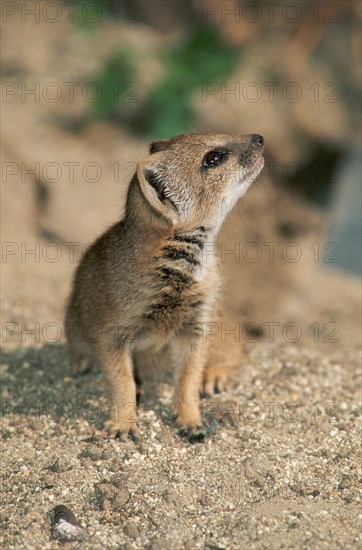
[145,290]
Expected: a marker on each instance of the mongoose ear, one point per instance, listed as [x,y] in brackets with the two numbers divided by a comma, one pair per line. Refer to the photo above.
[160,145]
[155,189]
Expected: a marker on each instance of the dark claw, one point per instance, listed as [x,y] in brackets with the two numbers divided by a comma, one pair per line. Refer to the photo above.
[183,432]
[216,389]
[134,437]
[193,435]
[205,395]
[196,435]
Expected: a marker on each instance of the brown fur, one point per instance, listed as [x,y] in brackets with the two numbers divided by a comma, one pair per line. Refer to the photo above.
[145,291]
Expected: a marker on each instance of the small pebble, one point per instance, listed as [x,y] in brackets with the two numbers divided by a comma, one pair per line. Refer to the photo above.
[93,452]
[131,529]
[65,526]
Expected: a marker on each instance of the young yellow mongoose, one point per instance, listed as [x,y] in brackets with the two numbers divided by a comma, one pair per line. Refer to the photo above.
[144,291]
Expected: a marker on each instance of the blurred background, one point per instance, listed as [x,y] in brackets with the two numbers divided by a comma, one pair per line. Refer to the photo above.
[87,85]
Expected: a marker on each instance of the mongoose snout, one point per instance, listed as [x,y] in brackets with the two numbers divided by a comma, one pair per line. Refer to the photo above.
[257,140]
[146,290]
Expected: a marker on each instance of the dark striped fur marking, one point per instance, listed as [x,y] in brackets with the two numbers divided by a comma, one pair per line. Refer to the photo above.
[190,240]
[170,273]
[174,253]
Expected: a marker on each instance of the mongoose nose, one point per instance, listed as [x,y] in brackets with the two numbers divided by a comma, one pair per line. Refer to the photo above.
[256,139]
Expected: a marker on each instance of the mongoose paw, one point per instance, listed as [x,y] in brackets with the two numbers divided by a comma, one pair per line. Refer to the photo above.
[198,434]
[193,435]
[121,431]
[189,423]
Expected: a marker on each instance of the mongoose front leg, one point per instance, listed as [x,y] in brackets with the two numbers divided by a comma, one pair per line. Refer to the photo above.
[118,369]
[186,398]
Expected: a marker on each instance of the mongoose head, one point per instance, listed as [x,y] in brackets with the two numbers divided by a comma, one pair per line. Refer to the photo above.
[195,179]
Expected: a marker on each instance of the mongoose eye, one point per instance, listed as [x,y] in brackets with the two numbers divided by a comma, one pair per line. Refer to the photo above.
[213,158]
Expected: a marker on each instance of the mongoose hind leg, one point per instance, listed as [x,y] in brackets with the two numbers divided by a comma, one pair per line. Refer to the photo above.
[223,362]
[215,380]
[118,370]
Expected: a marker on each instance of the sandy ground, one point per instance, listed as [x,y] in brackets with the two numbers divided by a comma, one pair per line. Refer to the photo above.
[282,468]
[280,472]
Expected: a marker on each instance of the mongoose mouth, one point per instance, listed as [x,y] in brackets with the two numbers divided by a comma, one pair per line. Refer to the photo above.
[255,170]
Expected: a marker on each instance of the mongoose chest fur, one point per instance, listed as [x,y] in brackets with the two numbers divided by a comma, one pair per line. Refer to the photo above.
[146,289]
